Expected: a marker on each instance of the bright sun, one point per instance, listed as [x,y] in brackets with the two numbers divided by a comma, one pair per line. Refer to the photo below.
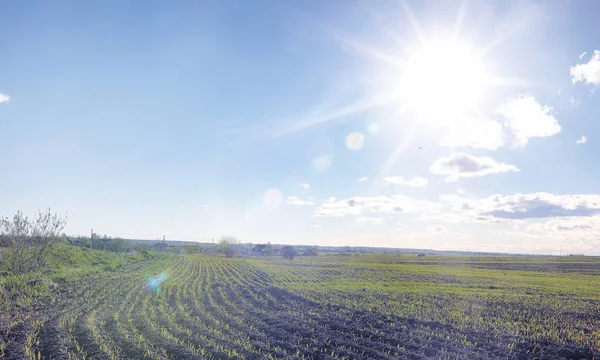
[443,79]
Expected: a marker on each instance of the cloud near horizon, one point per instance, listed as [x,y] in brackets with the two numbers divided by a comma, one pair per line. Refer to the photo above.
[396,204]
[361,221]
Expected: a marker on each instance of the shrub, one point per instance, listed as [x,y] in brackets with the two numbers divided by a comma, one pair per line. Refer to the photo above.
[28,240]
[311,252]
[228,246]
[288,252]
[191,249]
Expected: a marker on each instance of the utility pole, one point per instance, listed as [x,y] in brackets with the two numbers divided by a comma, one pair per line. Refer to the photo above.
[91,238]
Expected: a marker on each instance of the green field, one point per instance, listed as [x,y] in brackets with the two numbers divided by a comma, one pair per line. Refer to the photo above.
[321,307]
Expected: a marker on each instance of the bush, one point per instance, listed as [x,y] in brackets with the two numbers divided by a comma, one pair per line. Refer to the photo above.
[28,240]
[191,249]
[228,246]
[288,252]
[311,252]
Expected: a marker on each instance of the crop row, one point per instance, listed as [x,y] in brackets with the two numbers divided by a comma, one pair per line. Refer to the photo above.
[199,307]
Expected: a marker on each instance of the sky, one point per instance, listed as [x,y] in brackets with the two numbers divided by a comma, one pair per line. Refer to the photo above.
[449,125]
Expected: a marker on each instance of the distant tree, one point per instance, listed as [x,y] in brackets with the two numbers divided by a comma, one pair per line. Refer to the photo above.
[311,251]
[263,249]
[228,246]
[141,246]
[269,249]
[259,249]
[28,240]
[191,249]
[118,245]
[288,252]
[85,242]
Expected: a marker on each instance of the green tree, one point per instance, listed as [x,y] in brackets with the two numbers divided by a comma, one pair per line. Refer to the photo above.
[228,246]
[269,249]
[192,249]
[118,245]
[288,252]
[85,242]
[311,251]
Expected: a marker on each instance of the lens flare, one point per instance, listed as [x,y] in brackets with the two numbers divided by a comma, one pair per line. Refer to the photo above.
[153,282]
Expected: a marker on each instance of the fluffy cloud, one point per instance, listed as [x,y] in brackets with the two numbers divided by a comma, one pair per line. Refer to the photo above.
[527,118]
[305,185]
[482,134]
[294,200]
[542,205]
[397,204]
[574,234]
[362,179]
[566,224]
[589,72]
[369,221]
[399,180]
[462,165]
[582,140]
[522,206]
[4,98]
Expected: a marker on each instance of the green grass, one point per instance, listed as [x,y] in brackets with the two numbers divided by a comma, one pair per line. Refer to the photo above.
[554,298]
[63,262]
[369,306]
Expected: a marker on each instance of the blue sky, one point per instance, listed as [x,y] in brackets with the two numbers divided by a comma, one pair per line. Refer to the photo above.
[420,124]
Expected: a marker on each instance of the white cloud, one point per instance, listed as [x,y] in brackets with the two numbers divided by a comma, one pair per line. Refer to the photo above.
[582,55]
[521,206]
[305,185]
[362,179]
[582,140]
[399,180]
[482,134]
[527,118]
[462,165]
[439,229]
[4,98]
[369,221]
[589,72]
[294,200]
[396,204]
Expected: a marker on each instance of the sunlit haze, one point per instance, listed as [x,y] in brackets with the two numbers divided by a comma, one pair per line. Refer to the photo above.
[452,125]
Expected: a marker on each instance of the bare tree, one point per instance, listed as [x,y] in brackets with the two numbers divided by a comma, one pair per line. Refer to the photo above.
[28,240]
[228,245]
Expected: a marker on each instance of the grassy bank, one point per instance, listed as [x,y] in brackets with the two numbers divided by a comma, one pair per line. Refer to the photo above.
[63,262]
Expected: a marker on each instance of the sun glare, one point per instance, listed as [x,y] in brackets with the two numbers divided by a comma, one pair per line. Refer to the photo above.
[443,79]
